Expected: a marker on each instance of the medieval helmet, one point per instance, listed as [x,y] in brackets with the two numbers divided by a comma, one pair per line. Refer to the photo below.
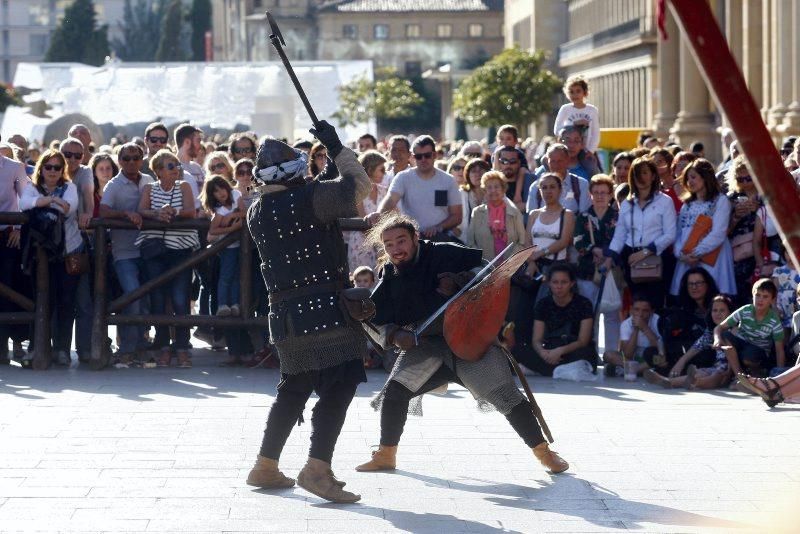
[278,163]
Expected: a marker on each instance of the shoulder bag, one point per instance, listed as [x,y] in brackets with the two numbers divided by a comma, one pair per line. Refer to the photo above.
[648,269]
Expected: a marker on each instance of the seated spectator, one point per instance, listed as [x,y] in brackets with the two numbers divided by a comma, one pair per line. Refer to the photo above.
[711,377]
[471,191]
[166,200]
[758,330]
[52,189]
[787,280]
[497,222]
[562,330]
[639,340]
[774,390]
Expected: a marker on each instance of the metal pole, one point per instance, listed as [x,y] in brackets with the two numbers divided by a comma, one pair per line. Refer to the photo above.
[41,324]
[100,356]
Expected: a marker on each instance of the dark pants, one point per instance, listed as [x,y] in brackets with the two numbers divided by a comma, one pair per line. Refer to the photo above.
[527,356]
[12,276]
[176,291]
[654,292]
[327,416]
[394,410]
[63,288]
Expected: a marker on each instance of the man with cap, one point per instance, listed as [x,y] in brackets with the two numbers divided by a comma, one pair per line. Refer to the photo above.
[304,264]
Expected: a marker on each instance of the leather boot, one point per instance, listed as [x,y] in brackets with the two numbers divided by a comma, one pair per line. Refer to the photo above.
[317,478]
[384,459]
[340,483]
[550,459]
[265,474]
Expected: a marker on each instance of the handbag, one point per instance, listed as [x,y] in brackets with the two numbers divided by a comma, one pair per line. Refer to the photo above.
[153,247]
[742,246]
[76,263]
[648,269]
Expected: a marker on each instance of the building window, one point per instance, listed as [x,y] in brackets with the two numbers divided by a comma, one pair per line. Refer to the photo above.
[38,44]
[476,30]
[413,30]
[350,31]
[444,30]
[380,32]
[413,69]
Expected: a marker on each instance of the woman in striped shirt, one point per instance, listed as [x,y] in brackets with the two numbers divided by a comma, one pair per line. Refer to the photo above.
[165,200]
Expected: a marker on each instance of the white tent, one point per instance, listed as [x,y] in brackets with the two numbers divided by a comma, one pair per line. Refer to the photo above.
[222,95]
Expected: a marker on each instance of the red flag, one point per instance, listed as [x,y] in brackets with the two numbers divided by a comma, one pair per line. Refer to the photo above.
[661,18]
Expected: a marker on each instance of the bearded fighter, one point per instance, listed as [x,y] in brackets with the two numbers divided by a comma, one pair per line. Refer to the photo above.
[304,264]
[416,280]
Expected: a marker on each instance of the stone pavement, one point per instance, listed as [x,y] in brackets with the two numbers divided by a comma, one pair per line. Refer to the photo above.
[168,450]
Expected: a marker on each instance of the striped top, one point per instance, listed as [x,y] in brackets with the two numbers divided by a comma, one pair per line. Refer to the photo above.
[174,239]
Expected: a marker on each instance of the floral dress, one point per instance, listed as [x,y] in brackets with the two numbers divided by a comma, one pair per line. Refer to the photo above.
[357,254]
[787,280]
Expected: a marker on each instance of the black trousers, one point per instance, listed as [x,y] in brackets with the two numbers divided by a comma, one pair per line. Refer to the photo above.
[327,416]
[394,410]
[527,356]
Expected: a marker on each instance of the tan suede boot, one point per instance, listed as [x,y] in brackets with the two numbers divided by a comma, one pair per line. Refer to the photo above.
[265,474]
[550,459]
[317,478]
[384,459]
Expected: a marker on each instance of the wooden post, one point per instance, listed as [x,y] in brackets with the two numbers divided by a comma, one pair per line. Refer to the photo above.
[245,272]
[17,298]
[100,355]
[41,324]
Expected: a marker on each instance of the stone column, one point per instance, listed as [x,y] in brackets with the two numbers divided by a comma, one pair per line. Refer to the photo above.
[781,41]
[668,83]
[694,122]
[752,49]
[791,121]
[734,35]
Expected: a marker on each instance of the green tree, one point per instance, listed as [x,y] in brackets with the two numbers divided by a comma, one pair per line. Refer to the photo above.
[140,30]
[387,97]
[9,97]
[77,37]
[172,45]
[511,88]
[200,22]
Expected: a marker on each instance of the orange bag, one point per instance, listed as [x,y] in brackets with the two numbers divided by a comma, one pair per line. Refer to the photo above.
[702,226]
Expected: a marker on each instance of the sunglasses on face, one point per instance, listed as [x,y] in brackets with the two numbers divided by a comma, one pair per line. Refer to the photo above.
[458,167]
[173,166]
[244,171]
[218,166]
[127,159]
[72,155]
[423,155]
[246,150]
[744,179]
[49,167]
[156,139]
[506,161]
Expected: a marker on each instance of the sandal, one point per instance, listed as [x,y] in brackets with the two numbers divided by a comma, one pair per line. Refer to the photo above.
[771,395]
[184,359]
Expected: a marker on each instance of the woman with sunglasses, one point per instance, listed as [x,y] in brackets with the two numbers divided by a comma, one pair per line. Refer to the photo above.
[167,199]
[53,189]
[317,160]
[746,202]
[218,162]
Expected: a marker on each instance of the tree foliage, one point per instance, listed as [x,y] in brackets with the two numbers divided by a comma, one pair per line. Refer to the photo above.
[387,97]
[173,45]
[140,30]
[511,88]
[200,22]
[77,37]
[9,97]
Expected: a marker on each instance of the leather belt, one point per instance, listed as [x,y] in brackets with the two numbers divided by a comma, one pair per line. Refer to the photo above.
[276,297]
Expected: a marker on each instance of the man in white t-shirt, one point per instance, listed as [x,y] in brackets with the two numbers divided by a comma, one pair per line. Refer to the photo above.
[430,196]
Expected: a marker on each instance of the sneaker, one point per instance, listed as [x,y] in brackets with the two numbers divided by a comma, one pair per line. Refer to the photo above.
[223,311]
[610,370]
[235,310]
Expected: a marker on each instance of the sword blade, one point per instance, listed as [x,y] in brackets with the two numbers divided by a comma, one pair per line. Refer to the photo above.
[463,290]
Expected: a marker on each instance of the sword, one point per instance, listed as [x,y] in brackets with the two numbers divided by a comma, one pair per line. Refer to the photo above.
[463,290]
[276,37]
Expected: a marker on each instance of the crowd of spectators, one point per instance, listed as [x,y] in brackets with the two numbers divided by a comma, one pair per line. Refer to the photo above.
[680,256]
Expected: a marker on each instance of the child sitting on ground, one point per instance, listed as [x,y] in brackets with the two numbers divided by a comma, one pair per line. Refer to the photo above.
[364,277]
[704,377]
[759,327]
[639,340]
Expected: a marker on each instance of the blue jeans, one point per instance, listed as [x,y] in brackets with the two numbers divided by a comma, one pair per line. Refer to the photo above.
[129,273]
[176,290]
[228,286]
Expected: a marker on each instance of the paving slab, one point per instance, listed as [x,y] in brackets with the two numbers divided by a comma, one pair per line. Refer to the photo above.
[167,450]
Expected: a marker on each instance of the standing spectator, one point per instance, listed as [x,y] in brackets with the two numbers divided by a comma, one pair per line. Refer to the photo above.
[662,159]
[242,145]
[580,114]
[710,249]
[507,135]
[156,137]
[188,141]
[456,169]
[357,252]
[317,160]
[745,201]
[646,226]
[429,196]
[13,182]
[622,167]
[52,189]
[497,222]
[104,168]
[510,162]
[594,230]
[400,155]
[165,200]
[243,172]
[367,142]
[581,162]
[574,189]
[698,149]
[471,191]
[218,162]
[73,151]
[121,201]
[679,163]
[82,134]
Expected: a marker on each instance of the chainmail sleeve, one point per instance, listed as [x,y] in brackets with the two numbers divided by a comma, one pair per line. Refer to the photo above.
[337,198]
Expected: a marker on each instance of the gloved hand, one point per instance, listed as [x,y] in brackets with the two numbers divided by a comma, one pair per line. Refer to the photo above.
[328,137]
[403,339]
